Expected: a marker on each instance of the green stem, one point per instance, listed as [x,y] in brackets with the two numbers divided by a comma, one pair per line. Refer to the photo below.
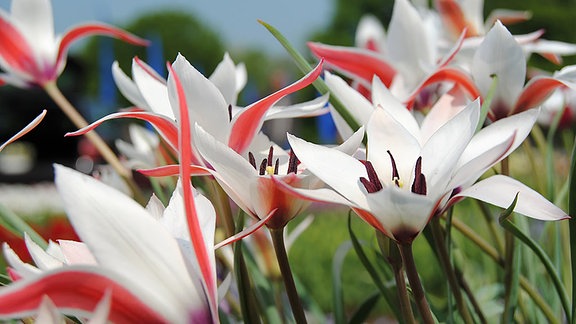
[415,283]
[572,227]
[282,257]
[449,270]
[54,92]
[222,205]
[491,225]
[392,252]
[305,67]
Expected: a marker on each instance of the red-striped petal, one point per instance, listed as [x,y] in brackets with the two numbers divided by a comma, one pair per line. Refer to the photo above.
[94,29]
[447,74]
[535,92]
[15,50]
[174,170]
[248,122]
[75,291]
[186,157]
[453,17]
[361,63]
[166,127]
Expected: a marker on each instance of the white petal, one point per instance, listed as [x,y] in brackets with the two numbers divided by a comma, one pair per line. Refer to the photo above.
[500,190]
[443,150]
[128,88]
[500,55]
[443,110]
[337,169]
[232,170]
[385,133]
[224,78]
[358,106]
[127,240]
[48,313]
[315,107]
[152,88]
[76,253]
[353,143]
[43,260]
[382,97]
[206,104]
[34,19]
[370,29]
[23,269]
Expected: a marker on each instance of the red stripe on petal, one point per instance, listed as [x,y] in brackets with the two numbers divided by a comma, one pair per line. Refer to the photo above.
[75,290]
[185,157]
[16,51]
[535,92]
[95,29]
[173,170]
[362,64]
[248,122]
[166,127]
[452,16]
[443,75]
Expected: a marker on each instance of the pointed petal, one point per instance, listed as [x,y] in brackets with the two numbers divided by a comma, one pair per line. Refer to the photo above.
[48,313]
[16,53]
[454,18]
[166,127]
[102,310]
[500,55]
[408,43]
[357,104]
[442,151]
[152,88]
[174,170]
[75,291]
[43,260]
[25,130]
[356,63]
[204,257]
[17,266]
[337,169]
[443,110]
[536,91]
[382,97]
[245,232]
[127,87]
[118,231]
[315,107]
[76,253]
[247,124]
[446,74]
[385,133]
[370,34]
[206,105]
[82,31]
[224,78]
[500,190]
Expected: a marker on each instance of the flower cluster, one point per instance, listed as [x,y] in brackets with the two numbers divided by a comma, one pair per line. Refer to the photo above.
[429,110]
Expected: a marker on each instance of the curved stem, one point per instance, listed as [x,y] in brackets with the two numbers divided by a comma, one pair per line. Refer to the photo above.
[449,270]
[391,251]
[54,92]
[415,284]
[282,256]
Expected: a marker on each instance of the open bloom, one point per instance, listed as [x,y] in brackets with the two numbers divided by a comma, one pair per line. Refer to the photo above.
[413,172]
[501,55]
[143,259]
[207,106]
[30,52]
[252,180]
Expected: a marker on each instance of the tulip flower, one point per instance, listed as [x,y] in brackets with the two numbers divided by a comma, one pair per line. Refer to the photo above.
[156,280]
[413,171]
[30,52]
[207,105]
[502,56]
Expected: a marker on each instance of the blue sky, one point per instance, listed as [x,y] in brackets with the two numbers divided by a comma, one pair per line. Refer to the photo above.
[234,20]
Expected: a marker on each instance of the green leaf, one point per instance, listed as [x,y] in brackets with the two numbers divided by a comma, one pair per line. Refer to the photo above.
[487,102]
[364,310]
[572,222]
[540,253]
[305,67]
[337,291]
[17,226]
[389,296]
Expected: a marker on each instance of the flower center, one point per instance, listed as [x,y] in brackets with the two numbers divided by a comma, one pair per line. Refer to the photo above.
[373,184]
[266,167]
